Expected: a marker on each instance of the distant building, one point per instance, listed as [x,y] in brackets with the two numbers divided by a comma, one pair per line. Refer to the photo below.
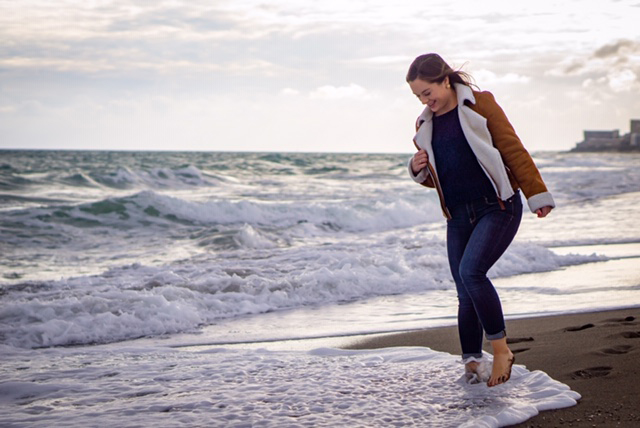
[611,141]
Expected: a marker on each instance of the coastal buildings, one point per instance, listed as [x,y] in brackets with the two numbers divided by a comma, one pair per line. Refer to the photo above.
[596,141]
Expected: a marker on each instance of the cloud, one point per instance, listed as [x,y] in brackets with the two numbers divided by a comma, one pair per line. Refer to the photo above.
[118,35]
[386,60]
[614,48]
[290,92]
[329,92]
[108,51]
[623,80]
[487,76]
[615,66]
[249,67]
[618,54]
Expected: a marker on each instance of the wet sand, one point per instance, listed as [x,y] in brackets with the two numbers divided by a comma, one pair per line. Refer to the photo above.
[596,353]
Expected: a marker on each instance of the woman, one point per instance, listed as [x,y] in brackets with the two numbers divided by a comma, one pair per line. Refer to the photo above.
[469,152]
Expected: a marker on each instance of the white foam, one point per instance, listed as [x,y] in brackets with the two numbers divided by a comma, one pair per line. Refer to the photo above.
[217,387]
[135,300]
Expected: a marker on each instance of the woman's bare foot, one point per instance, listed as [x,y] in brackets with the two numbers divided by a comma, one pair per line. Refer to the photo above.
[503,360]
[475,372]
[501,371]
[471,367]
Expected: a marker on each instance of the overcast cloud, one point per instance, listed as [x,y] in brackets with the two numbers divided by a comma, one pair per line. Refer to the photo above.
[303,75]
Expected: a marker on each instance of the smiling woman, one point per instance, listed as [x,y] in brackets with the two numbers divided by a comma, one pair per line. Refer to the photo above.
[469,152]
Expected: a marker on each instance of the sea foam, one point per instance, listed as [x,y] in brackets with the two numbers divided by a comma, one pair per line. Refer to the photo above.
[223,387]
[134,301]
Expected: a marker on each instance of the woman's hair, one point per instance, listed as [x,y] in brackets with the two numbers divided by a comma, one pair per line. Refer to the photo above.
[433,69]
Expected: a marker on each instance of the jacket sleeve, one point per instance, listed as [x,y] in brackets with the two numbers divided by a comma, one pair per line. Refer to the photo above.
[423,177]
[514,155]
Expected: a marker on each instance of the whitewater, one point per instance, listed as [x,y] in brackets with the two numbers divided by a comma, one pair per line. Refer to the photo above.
[136,285]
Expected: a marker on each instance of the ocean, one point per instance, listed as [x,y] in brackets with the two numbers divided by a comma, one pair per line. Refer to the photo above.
[169,259]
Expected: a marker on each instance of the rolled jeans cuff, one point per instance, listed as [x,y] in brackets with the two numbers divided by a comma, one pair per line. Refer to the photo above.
[472,356]
[500,335]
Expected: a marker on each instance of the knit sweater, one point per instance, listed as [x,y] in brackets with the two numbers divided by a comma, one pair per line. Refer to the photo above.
[461,176]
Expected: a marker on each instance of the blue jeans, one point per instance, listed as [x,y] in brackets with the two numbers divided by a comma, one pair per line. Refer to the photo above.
[478,233]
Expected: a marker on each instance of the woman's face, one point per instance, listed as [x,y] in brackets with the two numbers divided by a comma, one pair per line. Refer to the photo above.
[435,95]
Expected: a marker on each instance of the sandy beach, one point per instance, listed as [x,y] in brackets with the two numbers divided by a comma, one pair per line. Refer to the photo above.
[595,353]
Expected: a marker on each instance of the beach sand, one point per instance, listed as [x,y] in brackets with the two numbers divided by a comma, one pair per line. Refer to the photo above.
[596,353]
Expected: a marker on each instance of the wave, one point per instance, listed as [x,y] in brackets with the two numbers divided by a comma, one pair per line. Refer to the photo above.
[121,178]
[79,179]
[215,225]
[10,199]
[135,300]
[583,177]
[10,182]
[150,208]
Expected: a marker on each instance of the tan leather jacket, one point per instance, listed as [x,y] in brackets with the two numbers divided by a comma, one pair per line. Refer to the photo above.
[493,140]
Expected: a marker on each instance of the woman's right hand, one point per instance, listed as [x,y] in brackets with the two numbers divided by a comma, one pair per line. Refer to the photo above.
[419,161]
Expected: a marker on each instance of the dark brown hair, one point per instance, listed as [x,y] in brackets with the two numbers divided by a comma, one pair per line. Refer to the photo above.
[433,69]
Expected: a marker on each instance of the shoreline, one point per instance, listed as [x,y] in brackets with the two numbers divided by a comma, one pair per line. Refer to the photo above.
[595,353]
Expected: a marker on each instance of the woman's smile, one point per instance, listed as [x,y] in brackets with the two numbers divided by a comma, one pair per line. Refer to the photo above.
[439,97]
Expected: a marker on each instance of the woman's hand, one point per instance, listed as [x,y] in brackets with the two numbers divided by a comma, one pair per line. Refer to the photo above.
[542,212]
[419,161]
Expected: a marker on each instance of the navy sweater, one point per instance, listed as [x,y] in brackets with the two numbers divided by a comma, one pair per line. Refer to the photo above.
[461,176]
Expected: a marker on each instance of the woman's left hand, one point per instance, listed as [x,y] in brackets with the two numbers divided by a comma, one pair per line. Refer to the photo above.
[542,212]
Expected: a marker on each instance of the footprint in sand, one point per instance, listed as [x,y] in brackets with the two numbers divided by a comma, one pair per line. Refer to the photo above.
[625,320]
[580,327]
[631,334]
[617,350]
[591,372]
[513,340]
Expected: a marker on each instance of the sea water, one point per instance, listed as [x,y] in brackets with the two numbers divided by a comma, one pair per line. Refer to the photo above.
[213,249]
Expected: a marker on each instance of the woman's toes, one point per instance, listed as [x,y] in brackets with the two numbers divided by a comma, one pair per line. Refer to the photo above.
[501,369]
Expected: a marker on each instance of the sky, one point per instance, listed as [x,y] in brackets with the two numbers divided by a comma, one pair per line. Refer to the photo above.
[305,75]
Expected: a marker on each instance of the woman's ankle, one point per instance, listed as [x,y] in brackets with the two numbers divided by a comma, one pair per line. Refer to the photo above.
[500,347]
[471,366]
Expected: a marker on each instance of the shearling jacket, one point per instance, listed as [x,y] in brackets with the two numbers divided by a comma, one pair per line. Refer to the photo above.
[495,144]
